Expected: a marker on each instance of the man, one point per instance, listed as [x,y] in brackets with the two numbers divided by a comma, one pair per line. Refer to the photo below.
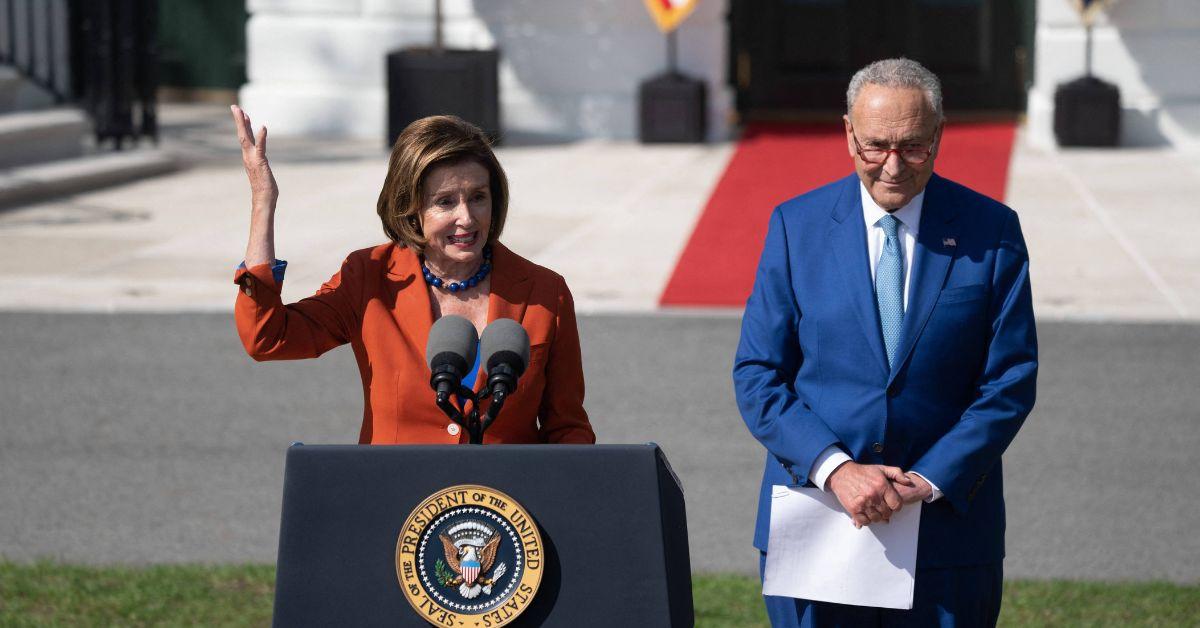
[888,353]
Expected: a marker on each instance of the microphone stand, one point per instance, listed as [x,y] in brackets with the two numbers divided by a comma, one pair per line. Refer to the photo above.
[494,408]
[501,380]
[469,422]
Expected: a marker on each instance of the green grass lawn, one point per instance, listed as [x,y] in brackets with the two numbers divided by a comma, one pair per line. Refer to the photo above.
[45,594]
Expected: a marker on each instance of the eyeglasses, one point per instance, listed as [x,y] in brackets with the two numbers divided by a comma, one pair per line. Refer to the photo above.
[914,155]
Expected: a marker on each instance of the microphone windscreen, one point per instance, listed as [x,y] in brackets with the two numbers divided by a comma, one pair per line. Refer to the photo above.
[452,340]
[504,340]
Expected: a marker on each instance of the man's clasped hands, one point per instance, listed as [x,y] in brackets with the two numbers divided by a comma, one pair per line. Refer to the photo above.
[871,493]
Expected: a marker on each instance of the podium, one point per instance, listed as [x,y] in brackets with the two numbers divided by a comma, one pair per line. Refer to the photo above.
[613,545]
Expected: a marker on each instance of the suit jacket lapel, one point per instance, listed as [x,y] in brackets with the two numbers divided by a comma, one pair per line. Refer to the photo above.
[931,262]
[511,285]
[848,236]
[413,311]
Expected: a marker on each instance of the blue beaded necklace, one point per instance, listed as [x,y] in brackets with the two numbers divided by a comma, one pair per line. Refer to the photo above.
[459,286]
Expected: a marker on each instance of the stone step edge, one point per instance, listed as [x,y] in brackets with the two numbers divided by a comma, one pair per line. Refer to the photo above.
[18,94]
[19,186]
[24,123]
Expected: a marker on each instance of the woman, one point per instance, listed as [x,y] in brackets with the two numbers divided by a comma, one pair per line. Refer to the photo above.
[443,205]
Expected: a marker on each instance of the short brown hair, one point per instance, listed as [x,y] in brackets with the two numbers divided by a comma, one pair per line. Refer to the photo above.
[422,146]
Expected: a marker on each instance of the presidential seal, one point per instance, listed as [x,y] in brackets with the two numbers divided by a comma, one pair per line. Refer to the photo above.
[469,556]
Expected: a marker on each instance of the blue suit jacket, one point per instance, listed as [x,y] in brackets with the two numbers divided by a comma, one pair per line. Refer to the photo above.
[811,370]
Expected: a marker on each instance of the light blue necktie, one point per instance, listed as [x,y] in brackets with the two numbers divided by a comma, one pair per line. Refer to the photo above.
[889,287]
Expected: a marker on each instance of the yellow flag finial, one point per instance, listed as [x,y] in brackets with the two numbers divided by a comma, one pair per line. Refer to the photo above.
[668,14]
[1089,8]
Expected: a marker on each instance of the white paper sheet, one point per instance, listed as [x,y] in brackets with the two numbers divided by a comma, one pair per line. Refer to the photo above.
[814,552]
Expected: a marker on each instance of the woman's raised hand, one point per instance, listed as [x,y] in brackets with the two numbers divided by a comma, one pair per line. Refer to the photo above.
[260,249]
[263,190]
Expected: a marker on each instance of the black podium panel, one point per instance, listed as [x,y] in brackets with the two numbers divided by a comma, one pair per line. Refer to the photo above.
[611,517]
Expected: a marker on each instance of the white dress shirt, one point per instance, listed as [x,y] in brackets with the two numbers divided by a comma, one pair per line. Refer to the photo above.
[910,223]
[909,217]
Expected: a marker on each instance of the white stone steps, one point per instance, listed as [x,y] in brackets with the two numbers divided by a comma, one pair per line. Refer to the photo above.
[18,94]
[32,137]
[28,184]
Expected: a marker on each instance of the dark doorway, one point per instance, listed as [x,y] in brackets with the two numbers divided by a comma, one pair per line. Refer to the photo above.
[789,57]
[202,44]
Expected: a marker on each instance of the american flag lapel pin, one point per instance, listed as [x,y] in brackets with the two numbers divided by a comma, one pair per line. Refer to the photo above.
[948,242]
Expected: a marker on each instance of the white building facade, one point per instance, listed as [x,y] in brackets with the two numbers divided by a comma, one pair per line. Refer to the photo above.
[1149,48]
[572,69]
[568,69]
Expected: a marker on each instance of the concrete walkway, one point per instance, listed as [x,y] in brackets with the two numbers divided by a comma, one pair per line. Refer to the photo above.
[1110,232]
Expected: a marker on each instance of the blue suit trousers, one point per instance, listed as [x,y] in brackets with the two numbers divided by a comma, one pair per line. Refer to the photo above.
[945,597]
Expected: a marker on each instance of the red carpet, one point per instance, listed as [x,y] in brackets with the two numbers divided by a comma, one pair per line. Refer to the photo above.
[774,162]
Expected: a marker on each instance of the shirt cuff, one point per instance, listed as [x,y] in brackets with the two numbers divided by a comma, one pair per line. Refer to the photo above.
[278,268]
[937,492]
[826,463]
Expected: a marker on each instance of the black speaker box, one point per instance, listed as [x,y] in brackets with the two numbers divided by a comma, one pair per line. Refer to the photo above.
[672,109]
[1087,112]
[464,83]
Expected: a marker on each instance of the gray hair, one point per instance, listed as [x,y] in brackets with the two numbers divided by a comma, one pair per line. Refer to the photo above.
[899,72]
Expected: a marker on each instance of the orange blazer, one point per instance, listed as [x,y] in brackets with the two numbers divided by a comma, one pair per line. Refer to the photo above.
[379,304]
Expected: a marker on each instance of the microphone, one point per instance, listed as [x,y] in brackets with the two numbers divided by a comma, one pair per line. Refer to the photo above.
[505,348]
[450,352]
